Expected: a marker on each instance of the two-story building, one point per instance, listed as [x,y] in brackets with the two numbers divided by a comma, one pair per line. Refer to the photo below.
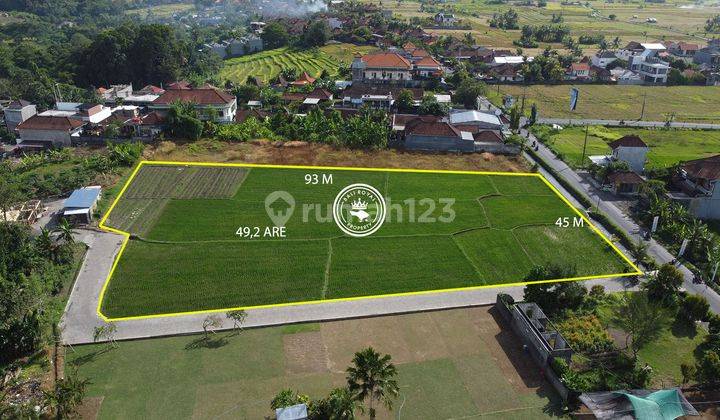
[236,47]
[578,71]
[629,149]
[698,184]
[710,55]
[653,71]
[384,67]
[17,112]
[602,58]
[445,19]
[683,49]
[208,101]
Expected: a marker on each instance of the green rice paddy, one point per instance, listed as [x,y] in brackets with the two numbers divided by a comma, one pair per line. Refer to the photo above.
[185,255]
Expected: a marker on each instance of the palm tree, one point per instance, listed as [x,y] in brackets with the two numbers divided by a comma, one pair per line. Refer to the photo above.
[638,251]
[45,245]
[698,235]
[67,396]
[372,378]
[343,405]
[65,232]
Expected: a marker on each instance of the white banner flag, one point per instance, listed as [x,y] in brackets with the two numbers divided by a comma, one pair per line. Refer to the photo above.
[682,247]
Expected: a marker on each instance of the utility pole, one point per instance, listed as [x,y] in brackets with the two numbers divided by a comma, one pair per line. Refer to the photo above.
[642,112]
[582,160]
[522,107]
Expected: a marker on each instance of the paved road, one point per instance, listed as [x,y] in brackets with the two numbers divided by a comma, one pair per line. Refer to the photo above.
[80,317]
[604,202]
[627,123]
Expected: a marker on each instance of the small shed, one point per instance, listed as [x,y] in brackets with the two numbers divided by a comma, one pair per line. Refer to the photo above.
[625,182]
[293,412]
[81,204]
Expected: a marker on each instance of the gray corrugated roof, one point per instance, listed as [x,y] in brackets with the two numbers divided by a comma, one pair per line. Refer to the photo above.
[82,198]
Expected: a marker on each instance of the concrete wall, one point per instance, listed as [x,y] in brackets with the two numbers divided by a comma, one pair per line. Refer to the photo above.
[439,144]
[707,207]
[634,156]
[56,138]
[532,344]
[517,322]
[377,74]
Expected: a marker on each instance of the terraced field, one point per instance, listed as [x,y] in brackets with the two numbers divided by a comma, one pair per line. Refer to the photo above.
[190,258]
[268,64]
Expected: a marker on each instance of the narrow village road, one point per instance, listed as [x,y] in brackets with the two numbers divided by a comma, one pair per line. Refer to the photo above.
[604,202]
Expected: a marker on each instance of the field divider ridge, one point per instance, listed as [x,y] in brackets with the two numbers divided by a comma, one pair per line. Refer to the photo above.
[326,279]
[127,235]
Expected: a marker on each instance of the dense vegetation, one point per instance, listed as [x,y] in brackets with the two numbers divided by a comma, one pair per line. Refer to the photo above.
[54,173]
[654,337]
[33,272]
[65,48]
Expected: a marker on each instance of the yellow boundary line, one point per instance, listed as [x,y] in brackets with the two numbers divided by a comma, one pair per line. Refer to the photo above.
[348,299]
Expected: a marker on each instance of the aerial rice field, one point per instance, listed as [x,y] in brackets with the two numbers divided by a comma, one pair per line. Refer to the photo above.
[185,254]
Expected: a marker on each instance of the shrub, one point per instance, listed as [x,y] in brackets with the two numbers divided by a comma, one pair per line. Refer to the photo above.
[694,308]
[708,369]
[688,372]
[664,287]
[597,291]
[586,334]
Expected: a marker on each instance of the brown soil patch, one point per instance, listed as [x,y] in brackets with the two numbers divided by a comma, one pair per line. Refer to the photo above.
[320,154]
[705,402]
[305,353]
[408,338]
[90,408]
[619,337]
[507,351]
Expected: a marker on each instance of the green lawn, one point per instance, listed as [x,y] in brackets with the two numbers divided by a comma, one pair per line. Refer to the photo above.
[451,364]
[685,103]
[267,64]
[186,255]
[667,147]
[676,345]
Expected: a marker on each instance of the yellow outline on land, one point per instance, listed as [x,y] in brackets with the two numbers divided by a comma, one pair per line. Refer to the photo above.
[342,168]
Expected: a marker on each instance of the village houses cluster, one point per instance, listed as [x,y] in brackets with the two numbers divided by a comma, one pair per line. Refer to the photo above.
[377,80]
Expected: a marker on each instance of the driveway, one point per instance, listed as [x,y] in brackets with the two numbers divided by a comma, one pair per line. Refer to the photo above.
[80,317]
[604,202]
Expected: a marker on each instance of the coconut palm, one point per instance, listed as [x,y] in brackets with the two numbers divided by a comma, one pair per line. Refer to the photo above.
[372,378]
[342,404]
[638,251]
[65,232]
[45,244]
